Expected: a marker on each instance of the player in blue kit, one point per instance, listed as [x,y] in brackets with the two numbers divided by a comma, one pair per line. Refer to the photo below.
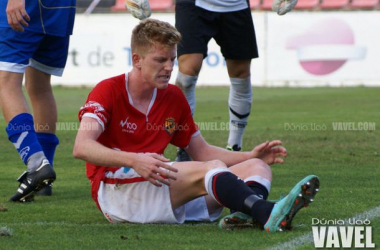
[34,43]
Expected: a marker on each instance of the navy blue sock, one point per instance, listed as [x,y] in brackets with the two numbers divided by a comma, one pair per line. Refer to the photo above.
[21,133]
[232,192]
[258,189]
[261,211]
[49,143]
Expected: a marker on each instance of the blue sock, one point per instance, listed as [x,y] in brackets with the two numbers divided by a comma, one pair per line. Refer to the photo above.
[21,133]
[48,142]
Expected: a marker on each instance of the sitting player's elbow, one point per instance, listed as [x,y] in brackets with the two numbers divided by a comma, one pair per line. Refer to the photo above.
[77,152]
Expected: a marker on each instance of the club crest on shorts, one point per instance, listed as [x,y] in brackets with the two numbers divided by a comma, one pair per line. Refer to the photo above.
[170,125]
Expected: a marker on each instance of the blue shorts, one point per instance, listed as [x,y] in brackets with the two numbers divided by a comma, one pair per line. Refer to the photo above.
[19,50]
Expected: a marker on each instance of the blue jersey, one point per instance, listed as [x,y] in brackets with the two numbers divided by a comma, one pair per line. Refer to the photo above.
[52,17]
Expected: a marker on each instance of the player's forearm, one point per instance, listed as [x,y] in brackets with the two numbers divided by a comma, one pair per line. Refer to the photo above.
[228,157]
[95,153]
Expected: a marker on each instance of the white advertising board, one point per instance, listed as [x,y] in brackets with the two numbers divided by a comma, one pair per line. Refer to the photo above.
[298,49]
[323,48]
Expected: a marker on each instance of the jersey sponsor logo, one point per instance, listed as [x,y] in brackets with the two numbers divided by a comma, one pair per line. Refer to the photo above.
[128,127]
[170,125]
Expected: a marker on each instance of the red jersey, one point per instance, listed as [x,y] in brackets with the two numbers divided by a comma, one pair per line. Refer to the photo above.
[168,120]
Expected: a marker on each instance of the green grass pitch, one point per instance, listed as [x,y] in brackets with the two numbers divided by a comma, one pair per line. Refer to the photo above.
[316,125]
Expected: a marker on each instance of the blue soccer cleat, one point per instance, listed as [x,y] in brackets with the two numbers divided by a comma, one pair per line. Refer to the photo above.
[284,211]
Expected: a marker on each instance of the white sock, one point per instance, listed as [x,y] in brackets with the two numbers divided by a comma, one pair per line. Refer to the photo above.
[34,161]
[187,84]
[239,103]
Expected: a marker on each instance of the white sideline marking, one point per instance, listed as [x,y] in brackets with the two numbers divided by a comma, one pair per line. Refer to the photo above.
[308,238]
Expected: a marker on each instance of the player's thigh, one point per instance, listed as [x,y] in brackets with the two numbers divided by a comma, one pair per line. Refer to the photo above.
[190,182]
[16,48]
[236,35]
[51,55]
[196,26]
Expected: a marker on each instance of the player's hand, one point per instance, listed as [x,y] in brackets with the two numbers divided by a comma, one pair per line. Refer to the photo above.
[16,15]
[153,168]
[139,8]
[283,6]
[270,152]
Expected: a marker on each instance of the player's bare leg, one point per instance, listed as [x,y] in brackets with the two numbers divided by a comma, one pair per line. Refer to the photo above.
[12,99]
[190,180]
[196,179]
[39,89]
[21,133]
[38,86]
[189,68]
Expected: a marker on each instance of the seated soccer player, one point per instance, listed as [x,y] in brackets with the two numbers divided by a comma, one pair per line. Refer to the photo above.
[128,121]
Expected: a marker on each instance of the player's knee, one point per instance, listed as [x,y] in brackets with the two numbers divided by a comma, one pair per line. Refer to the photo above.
[186,81]
[215,164]
[259,167]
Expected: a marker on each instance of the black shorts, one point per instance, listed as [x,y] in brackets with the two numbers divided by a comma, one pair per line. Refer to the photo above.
[233,31]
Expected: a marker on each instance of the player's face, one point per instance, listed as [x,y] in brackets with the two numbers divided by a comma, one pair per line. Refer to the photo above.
[157,65]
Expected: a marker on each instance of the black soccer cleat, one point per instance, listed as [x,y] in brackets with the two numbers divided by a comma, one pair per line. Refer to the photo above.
[182,155]
[30,183]
[233,148]
[46,191]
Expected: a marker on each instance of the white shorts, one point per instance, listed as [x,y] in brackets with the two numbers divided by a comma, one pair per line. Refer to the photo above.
[124,197]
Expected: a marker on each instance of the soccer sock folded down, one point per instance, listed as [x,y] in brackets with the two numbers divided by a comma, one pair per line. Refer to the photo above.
[21,133]
[259,185]
[187,84]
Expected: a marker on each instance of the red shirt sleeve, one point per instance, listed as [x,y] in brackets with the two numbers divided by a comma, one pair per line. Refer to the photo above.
[99,103]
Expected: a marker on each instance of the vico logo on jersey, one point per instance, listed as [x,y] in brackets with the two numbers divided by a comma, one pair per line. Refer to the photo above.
[128,127]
